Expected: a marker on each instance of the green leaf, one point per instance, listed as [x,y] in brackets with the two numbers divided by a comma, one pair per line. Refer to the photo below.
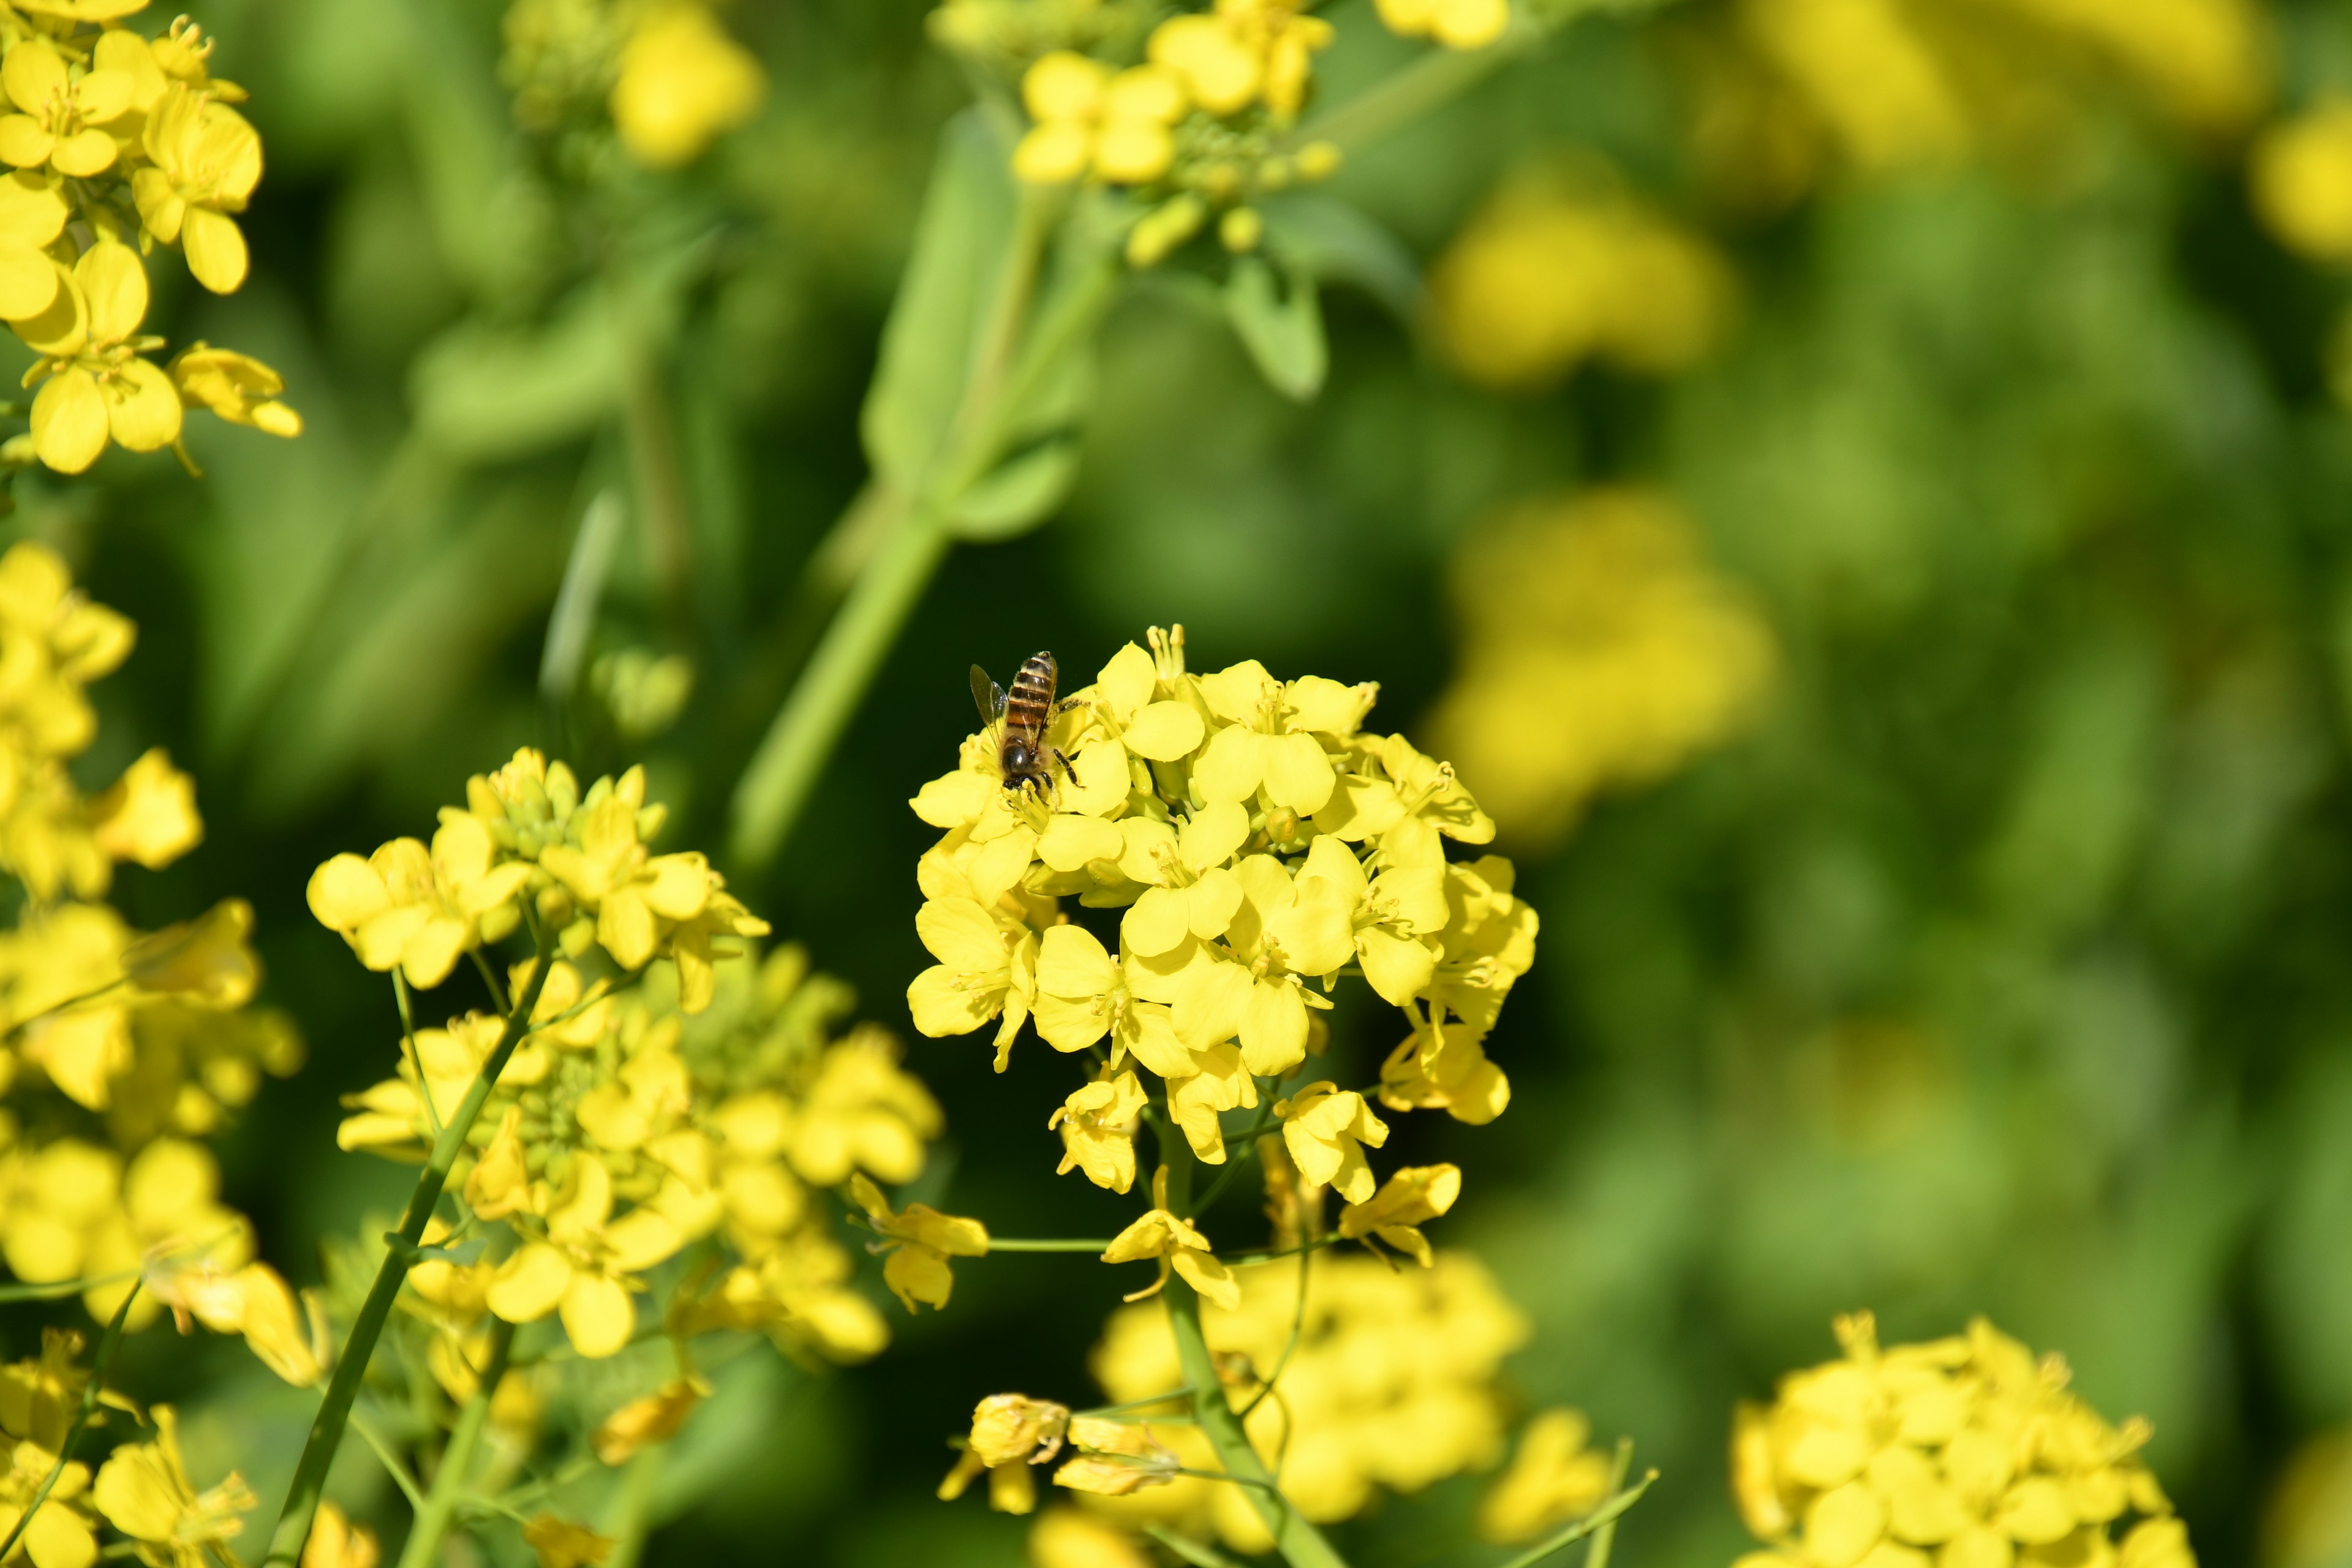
[487,393]
[1336,242]
[1283,330]
[1022,493]
[961,245]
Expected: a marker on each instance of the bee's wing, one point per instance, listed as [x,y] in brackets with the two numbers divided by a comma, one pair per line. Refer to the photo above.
[987,696]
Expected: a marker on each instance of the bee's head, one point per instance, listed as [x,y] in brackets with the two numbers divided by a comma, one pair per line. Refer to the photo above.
[1018,758]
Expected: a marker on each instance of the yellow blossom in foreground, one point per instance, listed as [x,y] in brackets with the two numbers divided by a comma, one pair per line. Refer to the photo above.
[237,387]
[1456,23]
[206,159]
[1552,1478]
[1090,121]
[59,117]
[1097,1123]
[419,910]
[918,1244]
[1176,1243]
[2302,182]
[1328,1128]
[93,384]
[1553,272]
[144,1491]
[1602,650]
[1407,1200]
[336,1543]
[683,83]
[1968,1448]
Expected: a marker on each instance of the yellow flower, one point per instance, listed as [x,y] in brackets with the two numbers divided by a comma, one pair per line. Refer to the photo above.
[1006,1428]
[1220,1080]
[987,966]
[60,1535]
[861,1111]
[1410,1198]
[1444,1066]
[93,383]
[1011,1486]
[144,1492]
[149,815]
[581,1270]
[204,160]
[1082,994]
[1187,888]
[638,898]
[1917,1447]
[1115,1458]
[1244,52]
[1552,1479]
[1097,1125]
[237,387]
[1326,1130]
[1456,23]
[918,1244]
[33,213]
[1270,738]
[336,1543]
[2302,178]
[1159,1234]
[1089,120]
[1071,1538]
[417,910]
[58,115]
[1385,923]
[641,1423]
[560,1543]
[683,82]
[255,1302]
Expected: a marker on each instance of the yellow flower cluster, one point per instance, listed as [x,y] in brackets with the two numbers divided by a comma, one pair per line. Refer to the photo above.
[119,1049]
[1795,88]
[622,1129]
[664,73]
[1262,846]
[1194,129]
[2302,182]
[1600,649]
[529,836]
[1390,1383]
[1966,1450]
[142,1491]
[1553,272]
[115,142]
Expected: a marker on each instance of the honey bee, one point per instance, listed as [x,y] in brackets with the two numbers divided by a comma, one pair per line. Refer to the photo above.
[1021,749]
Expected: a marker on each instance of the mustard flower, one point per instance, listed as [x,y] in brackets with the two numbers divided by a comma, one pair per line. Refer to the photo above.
[1084,995]
[59,118]
[1175,1243]
[581,1270]
[33,213]
[237,387]
[1220,1080]
[683,82]
[1115,1458]
[419,910]
[916,1244]
[149,815]
[1552,1478]
[560,1543]
[60,1535]
[1097,1123]
[144,1491]
[642,1423]
[987,967]
[1914,1447]
[1089,120]
[1444,1066]
[336,1543]
[1386,922]
[1009,1426]
[1456,23]
[93,384]
[1326,1130]
[1409,1199]
[204,160]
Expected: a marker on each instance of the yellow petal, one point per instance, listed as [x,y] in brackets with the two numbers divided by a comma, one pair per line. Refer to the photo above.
[83,154]
[1155,923]
[69,421]
[115,285]
[597,1315]
[527,1286]
[143,408]
[1232,765]
[345,891]
[215,248]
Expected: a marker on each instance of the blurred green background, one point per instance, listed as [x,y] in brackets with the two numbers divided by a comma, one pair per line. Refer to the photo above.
[1995,963]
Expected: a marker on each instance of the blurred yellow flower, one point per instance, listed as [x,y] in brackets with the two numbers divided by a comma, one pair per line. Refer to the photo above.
[1456,23]
[2302,180]
[582,1270]
[1552,1478]
[1965,1446]
[1601,650]
[1555,271]
[337,1543]
[642,1423]
[144,1491]
[149,815]
[1087,119]
[420,910]
[560,1543]
[60,116]
[1410,1198]
[93,384]
[918,1243]
[1071,1538]
[683,83]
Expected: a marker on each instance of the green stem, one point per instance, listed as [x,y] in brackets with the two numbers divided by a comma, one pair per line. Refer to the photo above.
[1300,1544]
[58,1290]
[1604,1539]
[999,1244]
[389,1460]
[635,1514]
[1600,1518]
[661,482]
[408,1044]
[293,1529]
[440,1505]
[107,1345]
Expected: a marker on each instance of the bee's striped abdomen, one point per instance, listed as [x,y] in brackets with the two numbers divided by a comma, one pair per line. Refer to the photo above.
[1029,705]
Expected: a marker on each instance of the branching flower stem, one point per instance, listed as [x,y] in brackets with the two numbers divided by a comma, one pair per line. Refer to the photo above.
[108,1344]
[439,1508]
[1600,1518]
[1300,1544]
[293,1529]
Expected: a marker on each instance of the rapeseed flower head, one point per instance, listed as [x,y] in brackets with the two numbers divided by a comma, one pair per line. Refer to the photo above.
[60,116]
[1601,650]
[1456,23]
[1553,1478]
[682,83]
[1555,271]
[1099,1123]
[1175,1243]
[642,1423]
[93,383]
[205,160]
[1089,119]
[1409,1199]
[1967,1447]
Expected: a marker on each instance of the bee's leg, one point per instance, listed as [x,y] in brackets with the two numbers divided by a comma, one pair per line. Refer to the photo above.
[1066,704]
[1068,766]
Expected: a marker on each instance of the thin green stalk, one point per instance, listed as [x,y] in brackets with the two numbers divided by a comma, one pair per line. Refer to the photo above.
[636,1516]
[327,1432]
[1300,1544]
[108,1344]
[389,1460]
[58,1290]
[1600,1518]
[1604,1539]
[1198,1553]
[661,481]
[408,1045]
[1290,1346]
[490,978]
[1001,1244]
[439,1508]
